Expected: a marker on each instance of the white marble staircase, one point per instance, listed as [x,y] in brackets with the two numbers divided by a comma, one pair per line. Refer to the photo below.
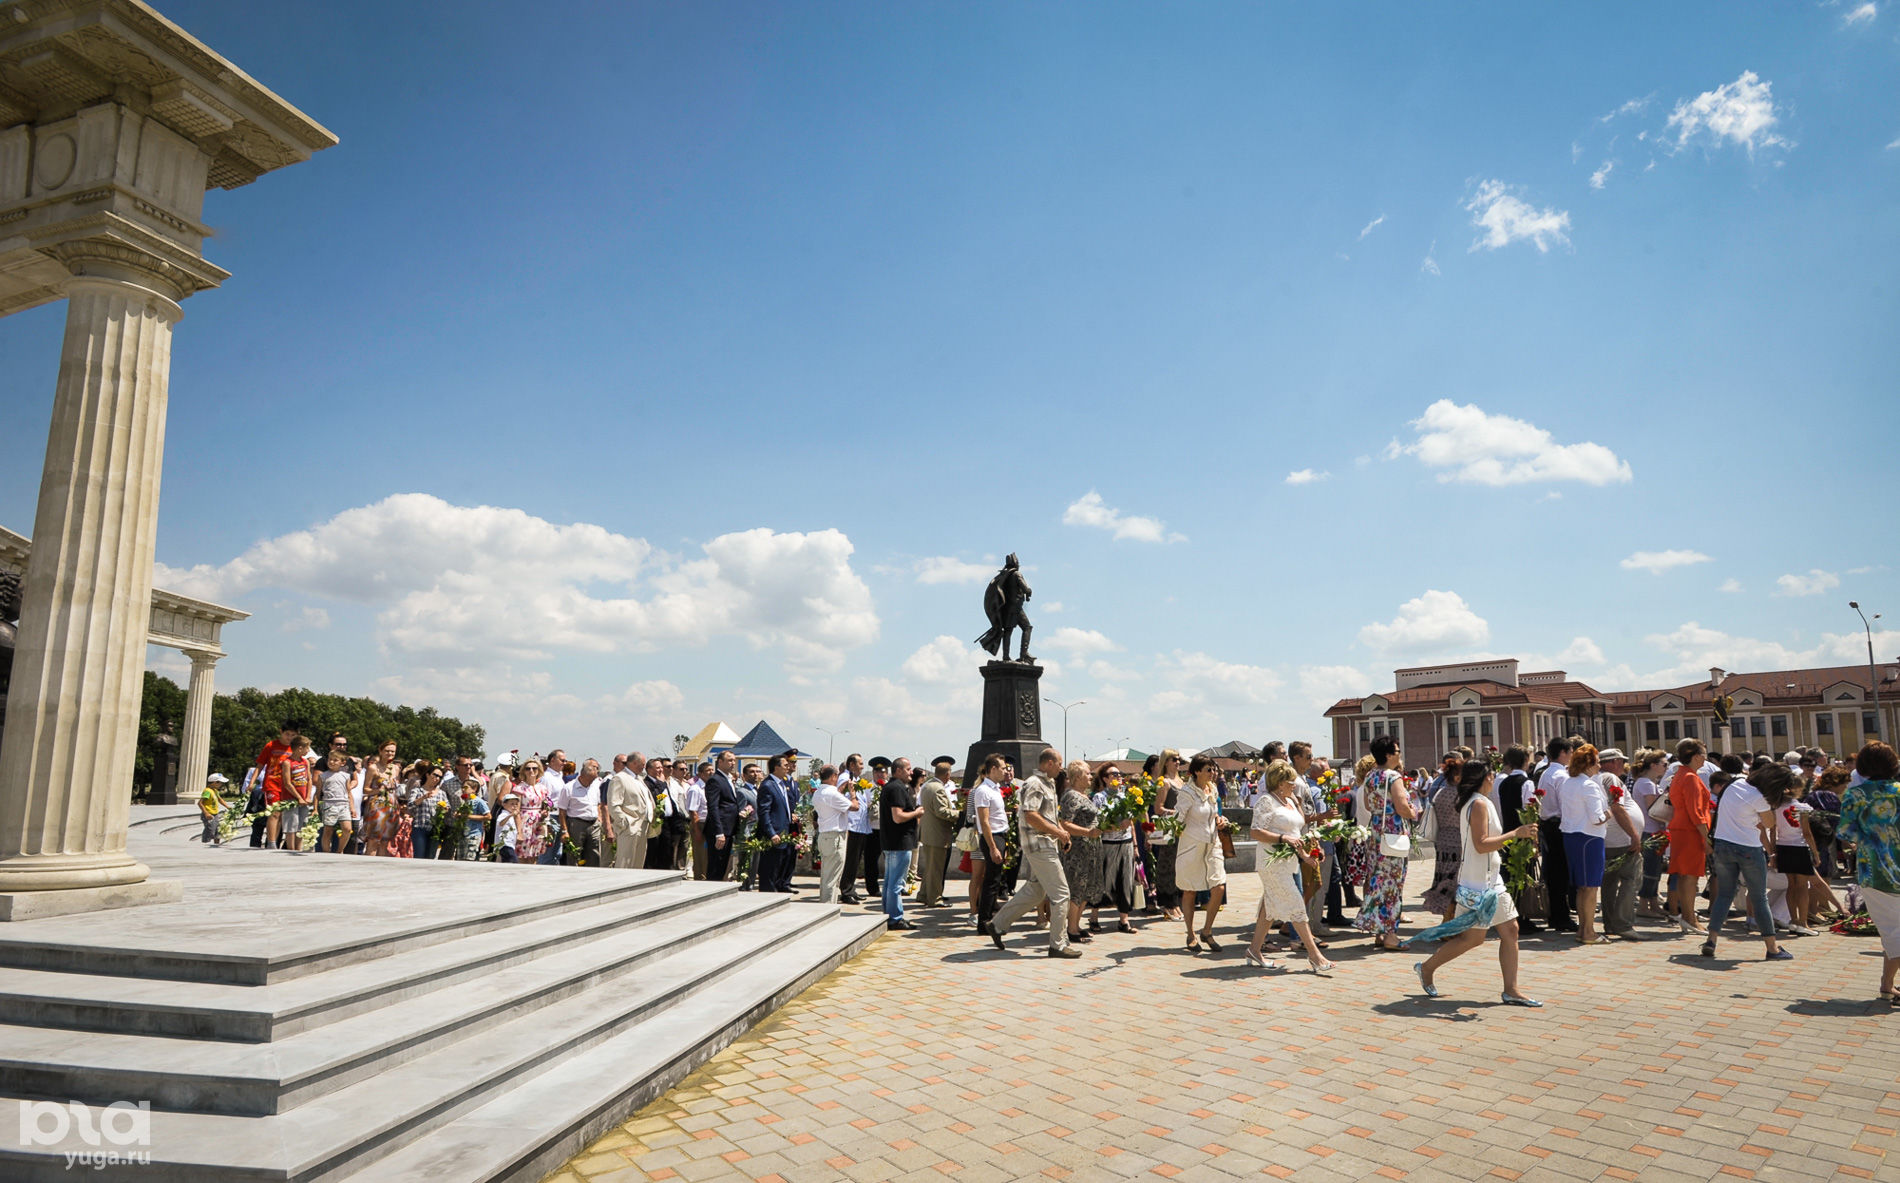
[485,1037]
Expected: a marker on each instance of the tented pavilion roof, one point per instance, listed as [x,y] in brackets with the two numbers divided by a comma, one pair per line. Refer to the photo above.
[712,735]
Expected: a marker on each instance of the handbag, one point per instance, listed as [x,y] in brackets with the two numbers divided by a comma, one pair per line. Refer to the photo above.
[1227,844]
[965,840]
[1663,810]
[1397,845]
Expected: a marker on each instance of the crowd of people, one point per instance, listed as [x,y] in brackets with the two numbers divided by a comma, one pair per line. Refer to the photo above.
[1587,839]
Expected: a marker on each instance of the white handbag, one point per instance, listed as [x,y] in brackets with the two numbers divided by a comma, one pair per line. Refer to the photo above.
[1397,845]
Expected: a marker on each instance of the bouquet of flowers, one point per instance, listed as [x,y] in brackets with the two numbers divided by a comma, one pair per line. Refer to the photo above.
[1334,790]
[1167,825]
[1306,847]
[1520,860]
[1129,805]
[1340,830]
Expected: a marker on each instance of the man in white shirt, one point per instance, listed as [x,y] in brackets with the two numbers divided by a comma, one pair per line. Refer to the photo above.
[860,825]
[832,806]
[577,804]
[693,798]
[1550,830]
[630,807]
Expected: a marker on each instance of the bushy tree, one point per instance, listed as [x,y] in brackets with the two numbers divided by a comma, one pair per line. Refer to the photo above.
[243,722]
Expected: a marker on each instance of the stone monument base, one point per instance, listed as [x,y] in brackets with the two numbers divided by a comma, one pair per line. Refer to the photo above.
[38,905]
[1012,718]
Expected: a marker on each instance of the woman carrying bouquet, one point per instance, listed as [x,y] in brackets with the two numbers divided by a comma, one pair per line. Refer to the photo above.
[1082,862]
[1389,813]
[1198,864]
[1118,852]
[1483,903]
[382,777]
[1278,826]
[531,834]
[1166,771]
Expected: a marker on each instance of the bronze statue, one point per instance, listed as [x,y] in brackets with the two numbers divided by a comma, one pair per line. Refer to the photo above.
[1003,604]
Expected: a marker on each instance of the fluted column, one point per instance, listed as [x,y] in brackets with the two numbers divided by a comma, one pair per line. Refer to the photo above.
[73,708]
[195,760]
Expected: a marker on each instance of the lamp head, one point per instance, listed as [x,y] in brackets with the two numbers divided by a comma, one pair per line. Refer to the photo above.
[1854,604]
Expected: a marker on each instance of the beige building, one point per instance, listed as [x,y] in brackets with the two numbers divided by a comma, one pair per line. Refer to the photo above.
[1480,704]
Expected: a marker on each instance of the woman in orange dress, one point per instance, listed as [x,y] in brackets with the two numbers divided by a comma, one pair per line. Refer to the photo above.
[1688,834]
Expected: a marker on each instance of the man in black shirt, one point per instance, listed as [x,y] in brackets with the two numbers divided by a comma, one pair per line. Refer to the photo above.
[898,811]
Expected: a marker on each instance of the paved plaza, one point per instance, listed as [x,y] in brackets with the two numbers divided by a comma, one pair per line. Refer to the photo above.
[933,1056]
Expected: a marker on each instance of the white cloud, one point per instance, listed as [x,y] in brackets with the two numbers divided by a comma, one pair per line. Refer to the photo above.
[1089,510]
[1739,112]
[652,697]
[1324,685]
[1370,227]
[450,582]
[1657,561]
[1633,107]
[1052,606]
[1198,681]
[1305,476]
[1483,449]
[311,617]
[1894,144]
[1079,641]
[944,661]
[944,569]
[1438,621]
[1602,174]
[1429,264]
[1861,15]
[1813,583]
[1505,218]
[1731,586]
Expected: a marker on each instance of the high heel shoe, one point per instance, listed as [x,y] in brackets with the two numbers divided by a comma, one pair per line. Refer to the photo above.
[1320,968]
[1212,944]
[1193,946]
[1258,962]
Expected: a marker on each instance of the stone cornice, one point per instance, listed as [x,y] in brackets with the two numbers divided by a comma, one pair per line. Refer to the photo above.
[57,56]
[108,244]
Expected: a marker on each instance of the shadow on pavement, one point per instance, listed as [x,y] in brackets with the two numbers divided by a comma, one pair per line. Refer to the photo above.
[1840,1007]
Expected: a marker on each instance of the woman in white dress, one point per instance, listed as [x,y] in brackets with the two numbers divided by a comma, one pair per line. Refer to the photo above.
[1483,902]
[1277,821]
[1198,864]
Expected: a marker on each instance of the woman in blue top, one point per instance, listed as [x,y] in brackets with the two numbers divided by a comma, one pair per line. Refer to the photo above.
[1870,819]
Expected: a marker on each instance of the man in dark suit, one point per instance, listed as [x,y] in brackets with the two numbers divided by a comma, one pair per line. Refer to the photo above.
[775,819]
[722,816]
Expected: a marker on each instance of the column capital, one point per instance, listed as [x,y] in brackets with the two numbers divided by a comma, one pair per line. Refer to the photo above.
[201,659]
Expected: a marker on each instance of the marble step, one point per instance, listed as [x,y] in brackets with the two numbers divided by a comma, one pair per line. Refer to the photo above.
[407,918]
[220,1011]
[236,1078]
[529,1131]
[669,1016]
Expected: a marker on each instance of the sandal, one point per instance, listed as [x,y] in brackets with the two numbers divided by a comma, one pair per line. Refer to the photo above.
[1431,991]
[1193,946]
[1124,926]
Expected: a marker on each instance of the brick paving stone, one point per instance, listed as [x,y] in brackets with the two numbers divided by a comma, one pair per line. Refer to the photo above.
[931,1056]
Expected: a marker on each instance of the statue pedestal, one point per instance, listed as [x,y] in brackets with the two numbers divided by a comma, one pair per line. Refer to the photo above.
[1012,718]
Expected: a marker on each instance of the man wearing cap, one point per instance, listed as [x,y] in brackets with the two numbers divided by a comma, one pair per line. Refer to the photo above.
[631,808]
[1622,839]
[211,804]
[936,830]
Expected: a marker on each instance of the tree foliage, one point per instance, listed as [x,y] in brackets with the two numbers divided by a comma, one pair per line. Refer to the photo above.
[242,723]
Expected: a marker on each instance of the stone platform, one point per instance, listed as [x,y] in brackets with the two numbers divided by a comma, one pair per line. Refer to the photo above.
[313,1018]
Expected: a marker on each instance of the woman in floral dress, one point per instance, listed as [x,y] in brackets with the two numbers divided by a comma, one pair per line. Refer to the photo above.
[1442,799]
[1082,862]
[1389,810]
[381,776]
[531,840]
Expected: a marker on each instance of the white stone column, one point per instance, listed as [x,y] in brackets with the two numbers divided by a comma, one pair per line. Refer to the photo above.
[73,708]
[194,762]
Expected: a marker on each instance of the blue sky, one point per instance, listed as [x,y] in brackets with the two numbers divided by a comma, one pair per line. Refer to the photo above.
[663,363]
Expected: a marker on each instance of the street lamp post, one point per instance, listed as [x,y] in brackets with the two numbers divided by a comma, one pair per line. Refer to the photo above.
[1873,675]
[831,740]
[1065,720]
[1119,745]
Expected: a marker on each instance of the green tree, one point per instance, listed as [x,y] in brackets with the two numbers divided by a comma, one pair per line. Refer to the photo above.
[243,722]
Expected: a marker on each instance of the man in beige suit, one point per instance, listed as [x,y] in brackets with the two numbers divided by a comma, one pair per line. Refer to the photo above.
[937,829]
[631,808]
